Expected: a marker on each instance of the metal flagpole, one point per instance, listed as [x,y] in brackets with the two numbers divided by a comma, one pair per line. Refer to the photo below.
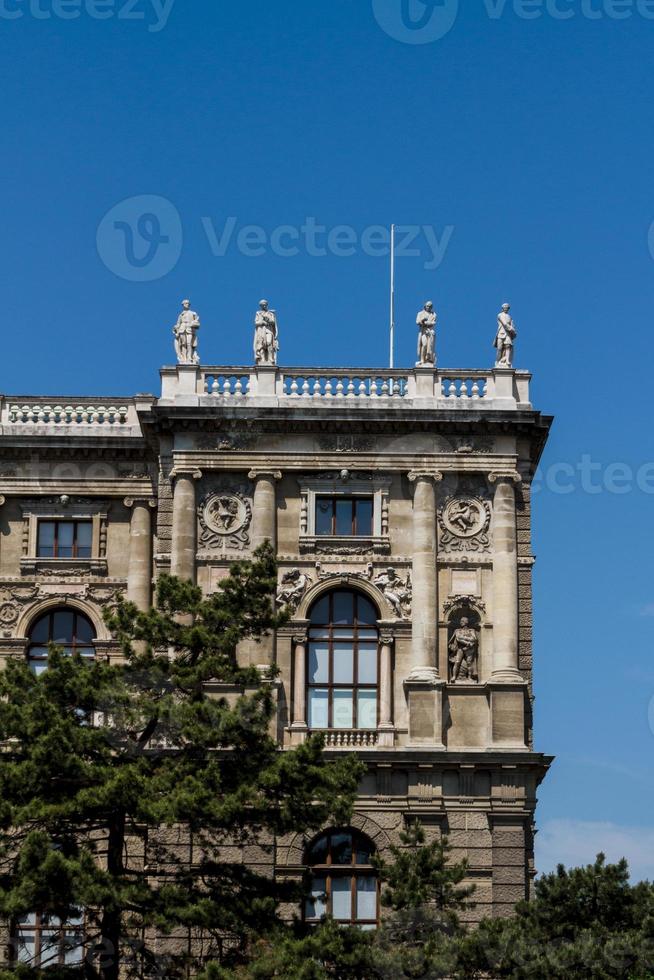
[392,358]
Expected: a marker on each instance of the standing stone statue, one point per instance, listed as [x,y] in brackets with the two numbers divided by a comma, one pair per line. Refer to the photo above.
[185,332]
[426,321]
[266,340]
[463,648]
[506,334]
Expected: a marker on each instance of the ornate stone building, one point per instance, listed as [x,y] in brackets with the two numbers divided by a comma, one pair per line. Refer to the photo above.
[398,502]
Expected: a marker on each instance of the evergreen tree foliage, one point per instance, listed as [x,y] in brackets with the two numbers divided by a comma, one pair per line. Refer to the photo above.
[128,790]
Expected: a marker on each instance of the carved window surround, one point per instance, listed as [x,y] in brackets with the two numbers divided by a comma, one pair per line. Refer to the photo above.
[64,509]
[346,485]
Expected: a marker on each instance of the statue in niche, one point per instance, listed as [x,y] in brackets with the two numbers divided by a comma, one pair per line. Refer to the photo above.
[185,332]
[464,651]
[426,321]
[398,593]
[266,338]
[505,337]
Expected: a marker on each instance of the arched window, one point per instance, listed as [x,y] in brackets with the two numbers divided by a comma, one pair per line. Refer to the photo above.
[44,940]
[66,628]
[344,883]
[343,663]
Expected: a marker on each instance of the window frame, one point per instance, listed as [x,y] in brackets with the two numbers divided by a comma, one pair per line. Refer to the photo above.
[58,522]
[37,929]
[360,485]
[74,646]
[355,687]
[330,872]
[354,500]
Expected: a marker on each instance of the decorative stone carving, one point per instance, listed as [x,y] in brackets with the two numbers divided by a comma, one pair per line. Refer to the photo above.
[322,575]
[346,444]
[225,518]
[463,601]
[465,523]
[398,593]
[505,337]
[426,321]
[8,614]
[474,447]
[185,333]
[266,338]
[292,588]
[464,652]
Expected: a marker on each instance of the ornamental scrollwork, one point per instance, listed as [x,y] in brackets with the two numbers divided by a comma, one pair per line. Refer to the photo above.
[465,523]
[225,517]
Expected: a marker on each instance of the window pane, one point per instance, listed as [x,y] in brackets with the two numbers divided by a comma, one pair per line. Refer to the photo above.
[45,547]
[367,663]
[342,898]
[62,629]
[366,612]
[364,517]
[320,612]
[39,667]
[367,709]
[344,510]
[367,634]
[84,539]
[88,652]
[366,898]
[364,850]
[73,948]
[319,851]
[343,664]
[346,633]
[343,608]
[49,948]
[316,906]
[65,535]
[25,947]
[318,663]
[343,709]
[318,708]
[84,632]
[342,849]
[39,632]
[324,515]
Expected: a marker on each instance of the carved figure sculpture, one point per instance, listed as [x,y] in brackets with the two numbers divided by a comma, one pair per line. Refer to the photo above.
[506,335]
[464,648]
[185,332]
[398,593]
[266,340]
[426,321]
[292,588]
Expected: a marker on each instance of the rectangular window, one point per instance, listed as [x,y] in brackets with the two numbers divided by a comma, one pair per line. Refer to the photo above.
[64,539]
[344,516]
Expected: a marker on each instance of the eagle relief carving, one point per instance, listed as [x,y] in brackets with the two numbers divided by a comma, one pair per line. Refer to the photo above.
[225,517]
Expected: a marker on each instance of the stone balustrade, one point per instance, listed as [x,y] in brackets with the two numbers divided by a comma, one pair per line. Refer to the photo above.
[74,415]
[349,739]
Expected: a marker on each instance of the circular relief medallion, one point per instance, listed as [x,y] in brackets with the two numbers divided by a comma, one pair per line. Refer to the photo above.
[8,614]
[225,513]
[465,517]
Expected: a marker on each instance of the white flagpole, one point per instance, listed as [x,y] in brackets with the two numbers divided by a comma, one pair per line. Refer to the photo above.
[392,357]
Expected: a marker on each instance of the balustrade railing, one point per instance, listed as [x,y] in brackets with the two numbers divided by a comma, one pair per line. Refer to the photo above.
[71,415]
[301,383]
[466,385]
[349,739]
[225,384]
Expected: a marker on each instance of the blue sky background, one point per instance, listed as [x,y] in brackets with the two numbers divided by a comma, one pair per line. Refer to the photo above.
[530,138]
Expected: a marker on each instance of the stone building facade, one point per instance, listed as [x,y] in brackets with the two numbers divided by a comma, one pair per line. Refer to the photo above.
[398,503]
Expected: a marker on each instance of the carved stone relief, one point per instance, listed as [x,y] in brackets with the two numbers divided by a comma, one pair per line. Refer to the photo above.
[465,522]
[398,592]
[292,588]
[225,518]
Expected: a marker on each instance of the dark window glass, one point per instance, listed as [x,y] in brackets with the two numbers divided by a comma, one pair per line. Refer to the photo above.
[64,539]
[44,941]
[344,516]
[342,663]
[344,884]
[65,628]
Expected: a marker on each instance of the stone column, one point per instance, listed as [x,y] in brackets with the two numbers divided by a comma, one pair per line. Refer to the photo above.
[139,569]
[505,580]
[299,727]
[424,619]
[264,507]
[184,545]
[386,735]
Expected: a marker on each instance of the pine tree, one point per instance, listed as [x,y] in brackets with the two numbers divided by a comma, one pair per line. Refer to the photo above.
[131,791]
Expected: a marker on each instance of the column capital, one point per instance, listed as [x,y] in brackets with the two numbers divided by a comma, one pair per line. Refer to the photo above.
[129,502]
[512,476]
[190,471]
[386,632]
[271,474]
[435,475]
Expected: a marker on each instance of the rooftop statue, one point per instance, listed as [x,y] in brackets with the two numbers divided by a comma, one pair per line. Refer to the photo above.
[506,334]
[426,321]
[185,332]
[266,340]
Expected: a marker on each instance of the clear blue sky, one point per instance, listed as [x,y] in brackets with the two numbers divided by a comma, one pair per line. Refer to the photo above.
[524,145]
